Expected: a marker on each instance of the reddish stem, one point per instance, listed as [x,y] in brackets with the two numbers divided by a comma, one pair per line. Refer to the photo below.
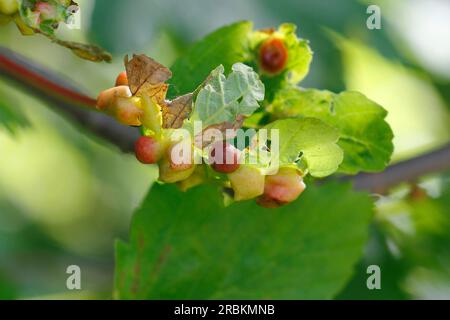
[64,97]
[20,71]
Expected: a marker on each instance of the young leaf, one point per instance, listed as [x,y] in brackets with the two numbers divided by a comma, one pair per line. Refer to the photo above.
[188,246]
[224,99]
[300,53]
[311,141]
[365,136]
[243,85]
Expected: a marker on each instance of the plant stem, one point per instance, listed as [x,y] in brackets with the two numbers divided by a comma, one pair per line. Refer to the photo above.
[406,171]
[65,99]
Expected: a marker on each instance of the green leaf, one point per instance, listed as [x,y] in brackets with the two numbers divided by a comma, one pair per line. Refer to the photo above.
[223,99]
[365,136]
[300,54]
[188,246]
[311,141]
[225,46]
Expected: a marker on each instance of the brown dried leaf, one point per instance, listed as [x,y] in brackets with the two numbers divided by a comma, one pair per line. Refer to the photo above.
[176,111]
[84,51]
[145,75]
[158,92]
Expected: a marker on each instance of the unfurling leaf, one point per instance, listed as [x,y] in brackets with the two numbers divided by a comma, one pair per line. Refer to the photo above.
[176,111]
[146,76]
[224,99]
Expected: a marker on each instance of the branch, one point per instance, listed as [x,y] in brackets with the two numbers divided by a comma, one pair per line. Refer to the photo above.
[407,171]
[63,97]
[66,99]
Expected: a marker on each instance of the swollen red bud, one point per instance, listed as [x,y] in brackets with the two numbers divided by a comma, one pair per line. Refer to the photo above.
[107,97]
[119,103]
[273,56]
[148,150]
[46,10]
[224,157]
[122,79]
[127,112]
[282,188]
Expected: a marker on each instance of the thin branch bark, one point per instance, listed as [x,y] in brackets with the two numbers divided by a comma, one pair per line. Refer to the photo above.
[66,99]
[407,171]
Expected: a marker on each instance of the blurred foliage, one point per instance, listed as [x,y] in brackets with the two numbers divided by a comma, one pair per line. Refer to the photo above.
[417,112]
[12,116]
[410,243]
[311,16]
[64,196]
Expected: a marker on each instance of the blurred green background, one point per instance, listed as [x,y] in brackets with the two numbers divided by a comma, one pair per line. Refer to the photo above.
[65,195]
